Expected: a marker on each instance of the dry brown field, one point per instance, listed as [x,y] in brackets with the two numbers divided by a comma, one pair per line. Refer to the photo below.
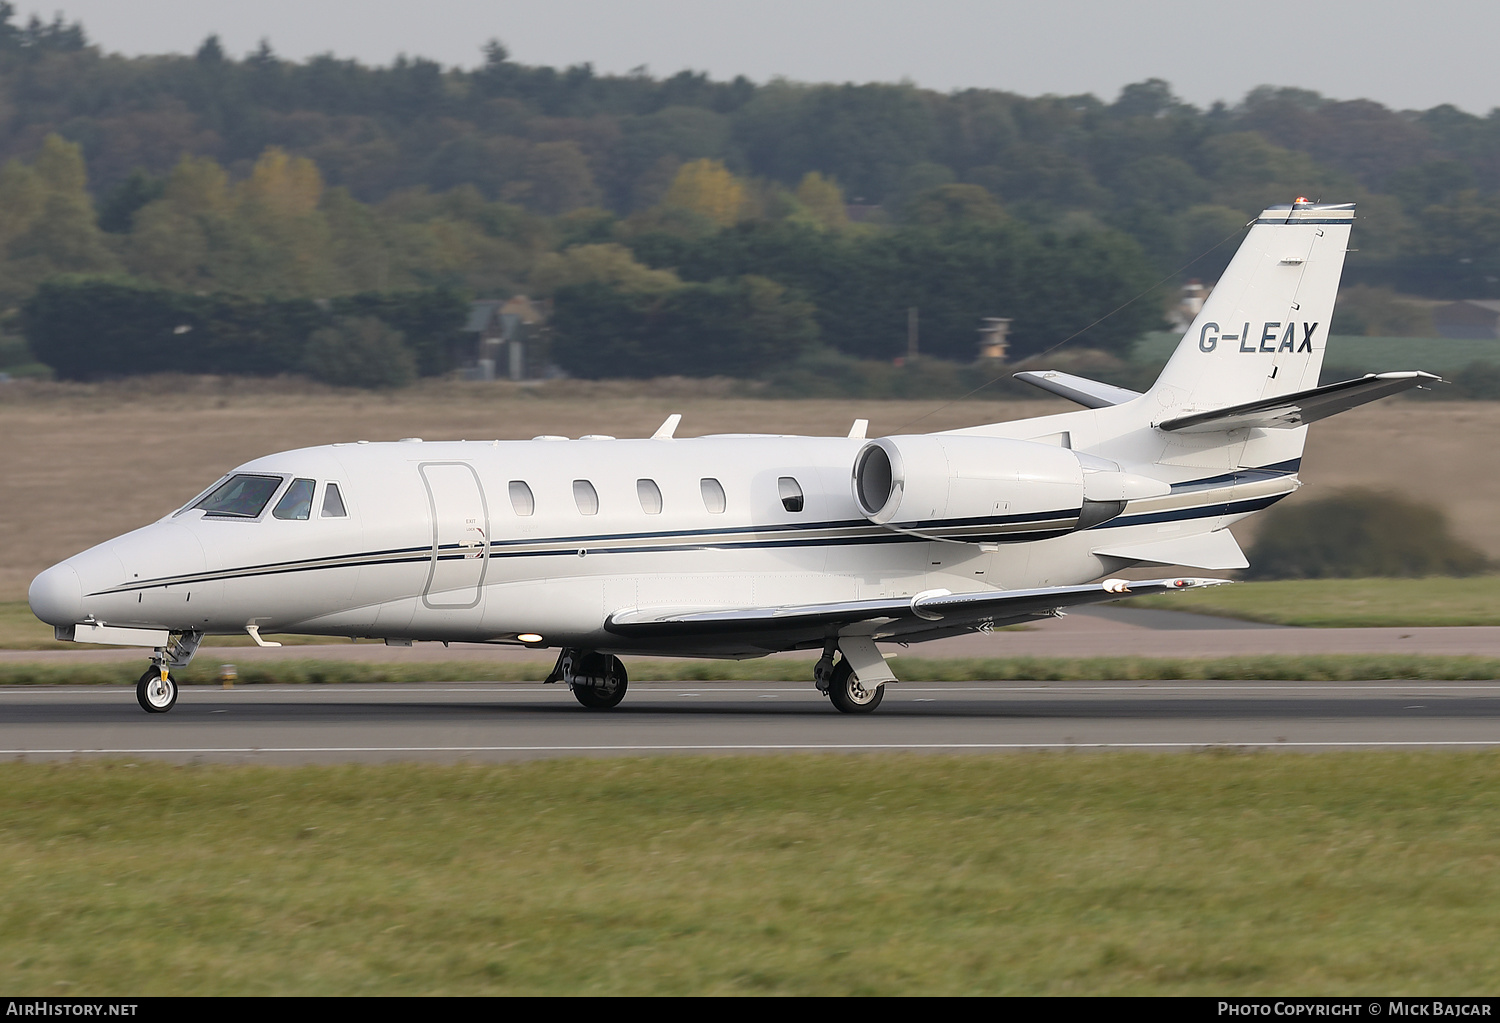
[82,463]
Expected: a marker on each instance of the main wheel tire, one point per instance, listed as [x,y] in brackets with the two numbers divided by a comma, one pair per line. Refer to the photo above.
[848,695]
[608,695]
[155,694]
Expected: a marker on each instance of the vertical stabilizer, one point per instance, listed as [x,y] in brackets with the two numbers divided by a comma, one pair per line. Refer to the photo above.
[1264,329]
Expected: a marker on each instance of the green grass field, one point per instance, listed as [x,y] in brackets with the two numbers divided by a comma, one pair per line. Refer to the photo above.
[1207,873]
[1345,603]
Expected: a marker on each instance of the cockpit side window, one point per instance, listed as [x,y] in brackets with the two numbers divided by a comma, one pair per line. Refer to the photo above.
[241,496]
[333,503]
[296,503]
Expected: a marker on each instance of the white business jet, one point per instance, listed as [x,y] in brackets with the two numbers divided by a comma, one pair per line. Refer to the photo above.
[738,546]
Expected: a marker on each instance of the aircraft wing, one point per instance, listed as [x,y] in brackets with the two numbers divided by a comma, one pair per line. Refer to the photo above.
[1301,407]
[934,611]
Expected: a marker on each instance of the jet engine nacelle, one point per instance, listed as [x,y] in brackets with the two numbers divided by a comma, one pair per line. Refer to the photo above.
[989,488]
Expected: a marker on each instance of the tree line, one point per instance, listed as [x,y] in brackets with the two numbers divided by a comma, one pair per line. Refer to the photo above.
[552,140]
[684,209]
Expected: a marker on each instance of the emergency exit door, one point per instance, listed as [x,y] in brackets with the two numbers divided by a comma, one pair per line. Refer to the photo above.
[460,535]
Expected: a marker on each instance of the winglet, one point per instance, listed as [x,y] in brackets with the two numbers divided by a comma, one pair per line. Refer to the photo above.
[857,431]
[666,429]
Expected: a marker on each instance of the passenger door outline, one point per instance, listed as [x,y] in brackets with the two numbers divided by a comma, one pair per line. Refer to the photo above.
[460,538]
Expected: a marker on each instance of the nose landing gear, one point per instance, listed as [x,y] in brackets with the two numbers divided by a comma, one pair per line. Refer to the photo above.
[156,691]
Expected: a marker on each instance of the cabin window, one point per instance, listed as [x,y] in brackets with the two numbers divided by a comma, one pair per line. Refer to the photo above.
[791,493]
[296,503]
[650,495]
[521,499]
[713,495]
[586,497]
[240,497]
[333,503]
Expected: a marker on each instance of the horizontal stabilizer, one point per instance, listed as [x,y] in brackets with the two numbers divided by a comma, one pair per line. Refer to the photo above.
[1088,393]
[1300,407]
[933,606]
[1216,551]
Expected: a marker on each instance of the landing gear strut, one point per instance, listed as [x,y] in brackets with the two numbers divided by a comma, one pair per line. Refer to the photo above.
[156,690]
[598,681]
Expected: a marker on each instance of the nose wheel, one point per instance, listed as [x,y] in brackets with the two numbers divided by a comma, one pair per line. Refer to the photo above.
[156,691]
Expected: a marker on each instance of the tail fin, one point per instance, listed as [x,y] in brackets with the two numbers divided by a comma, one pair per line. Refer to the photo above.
[1264,329]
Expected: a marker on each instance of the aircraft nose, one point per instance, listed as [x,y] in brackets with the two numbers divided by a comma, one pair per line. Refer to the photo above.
[56,596]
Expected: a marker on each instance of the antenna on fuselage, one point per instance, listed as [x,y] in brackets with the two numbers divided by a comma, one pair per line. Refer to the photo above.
[665,430]
[857,431]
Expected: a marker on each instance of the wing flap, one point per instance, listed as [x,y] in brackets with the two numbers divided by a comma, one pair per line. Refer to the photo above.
[1300,407]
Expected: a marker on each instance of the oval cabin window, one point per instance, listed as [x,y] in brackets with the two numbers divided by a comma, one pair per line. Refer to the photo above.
[521,499]
[650,495]
[713,495]
[586,497]
[791,493]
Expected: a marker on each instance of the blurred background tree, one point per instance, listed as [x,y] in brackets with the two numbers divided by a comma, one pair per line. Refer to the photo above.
[276,180]
[1359,534]
[360,352]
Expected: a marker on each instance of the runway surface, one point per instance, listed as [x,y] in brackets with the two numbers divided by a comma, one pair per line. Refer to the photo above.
[513,721]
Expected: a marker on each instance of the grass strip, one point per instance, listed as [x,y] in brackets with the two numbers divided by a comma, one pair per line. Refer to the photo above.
[1327,668]
[1208,873]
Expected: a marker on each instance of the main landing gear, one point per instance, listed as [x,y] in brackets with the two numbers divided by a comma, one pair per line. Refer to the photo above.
[848,695]
[598,681]
[156,690]
[840,683]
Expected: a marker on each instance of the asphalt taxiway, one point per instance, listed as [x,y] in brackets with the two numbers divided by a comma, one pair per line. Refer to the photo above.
[510,721]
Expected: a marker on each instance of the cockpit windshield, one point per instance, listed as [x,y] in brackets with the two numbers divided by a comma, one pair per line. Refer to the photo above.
[241,496]
[296,503]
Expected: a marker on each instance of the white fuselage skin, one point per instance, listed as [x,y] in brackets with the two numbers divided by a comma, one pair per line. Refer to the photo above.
[435,545]
[558,573]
